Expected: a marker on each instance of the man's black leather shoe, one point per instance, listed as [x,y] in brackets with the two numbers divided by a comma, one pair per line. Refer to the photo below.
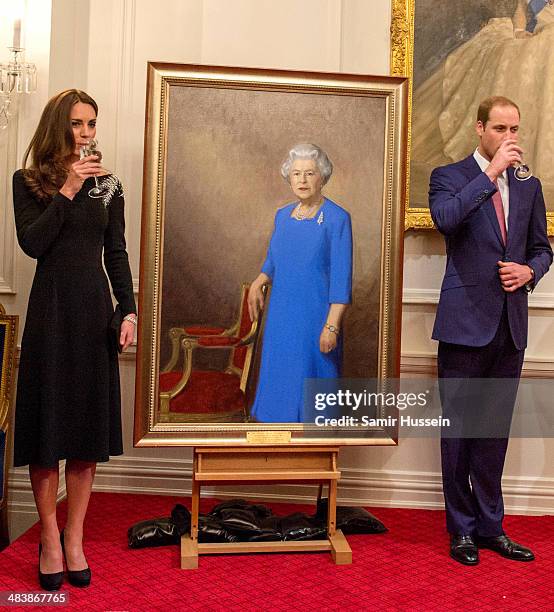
[506,547]
[464,550]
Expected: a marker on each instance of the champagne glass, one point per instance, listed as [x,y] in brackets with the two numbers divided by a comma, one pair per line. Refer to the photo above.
[90,149]
[522,172]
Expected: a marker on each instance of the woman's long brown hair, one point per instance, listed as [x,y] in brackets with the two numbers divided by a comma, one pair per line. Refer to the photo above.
[52,144]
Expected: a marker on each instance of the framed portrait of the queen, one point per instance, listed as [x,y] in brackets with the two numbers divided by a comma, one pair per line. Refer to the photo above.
[271,251]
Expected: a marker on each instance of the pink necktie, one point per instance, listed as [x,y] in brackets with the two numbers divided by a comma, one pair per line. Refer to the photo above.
[499,210]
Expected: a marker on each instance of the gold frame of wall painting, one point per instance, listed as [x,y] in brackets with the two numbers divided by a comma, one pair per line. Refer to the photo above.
[7,393]
[165,83]
[402,61]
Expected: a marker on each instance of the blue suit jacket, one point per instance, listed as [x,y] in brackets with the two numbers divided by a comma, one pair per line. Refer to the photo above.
[472,298]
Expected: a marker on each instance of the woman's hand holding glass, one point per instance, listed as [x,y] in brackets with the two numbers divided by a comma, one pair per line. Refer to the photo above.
[79,171]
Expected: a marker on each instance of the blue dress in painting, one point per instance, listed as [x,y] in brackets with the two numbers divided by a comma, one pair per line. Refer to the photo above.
[310,264]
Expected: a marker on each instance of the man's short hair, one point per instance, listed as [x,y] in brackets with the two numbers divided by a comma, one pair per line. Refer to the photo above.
[489,103]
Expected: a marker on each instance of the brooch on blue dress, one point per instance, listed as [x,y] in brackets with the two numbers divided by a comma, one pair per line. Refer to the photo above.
[320,218]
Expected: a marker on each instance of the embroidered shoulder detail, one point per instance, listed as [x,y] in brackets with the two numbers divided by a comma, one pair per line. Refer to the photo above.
[112,187]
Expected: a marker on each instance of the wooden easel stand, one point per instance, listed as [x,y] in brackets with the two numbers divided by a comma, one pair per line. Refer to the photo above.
[263,464]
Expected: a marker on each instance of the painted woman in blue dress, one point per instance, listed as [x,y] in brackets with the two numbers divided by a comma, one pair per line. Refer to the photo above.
[309,264]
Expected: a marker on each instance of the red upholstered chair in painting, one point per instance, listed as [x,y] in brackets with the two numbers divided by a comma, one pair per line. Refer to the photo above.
[8,336]
[176,334]
[210,395]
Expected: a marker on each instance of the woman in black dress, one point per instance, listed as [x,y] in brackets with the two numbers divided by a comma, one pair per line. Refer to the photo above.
[68,394]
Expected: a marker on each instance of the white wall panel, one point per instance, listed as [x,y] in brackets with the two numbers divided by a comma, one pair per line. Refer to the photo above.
[365,36]
[70,44]
[264,33]
[13,141]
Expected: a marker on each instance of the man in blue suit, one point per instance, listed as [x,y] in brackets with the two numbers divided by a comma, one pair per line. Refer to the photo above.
[497,250]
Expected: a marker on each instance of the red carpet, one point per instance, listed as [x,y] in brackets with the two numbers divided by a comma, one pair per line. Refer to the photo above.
[405,569]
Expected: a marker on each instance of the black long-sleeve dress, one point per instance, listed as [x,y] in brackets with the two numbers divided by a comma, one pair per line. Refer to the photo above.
[68,394]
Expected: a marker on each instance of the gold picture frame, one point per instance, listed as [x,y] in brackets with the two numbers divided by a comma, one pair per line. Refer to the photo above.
[8,350]
[190,109]
[402,64]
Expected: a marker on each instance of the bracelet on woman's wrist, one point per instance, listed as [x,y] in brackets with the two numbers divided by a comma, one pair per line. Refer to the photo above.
[131,318]
[332,328]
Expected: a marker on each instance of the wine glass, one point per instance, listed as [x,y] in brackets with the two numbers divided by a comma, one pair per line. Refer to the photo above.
[90,149]
[522,172]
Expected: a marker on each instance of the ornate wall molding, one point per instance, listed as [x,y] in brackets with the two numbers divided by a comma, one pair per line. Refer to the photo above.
[537,301]
[8,242]
[381,487]
[402,37]
[401,61]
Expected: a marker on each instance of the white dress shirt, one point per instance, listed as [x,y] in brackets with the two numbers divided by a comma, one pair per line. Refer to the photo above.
[502,184]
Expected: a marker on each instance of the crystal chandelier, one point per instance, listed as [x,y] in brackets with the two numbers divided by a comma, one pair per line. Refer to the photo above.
[16,77]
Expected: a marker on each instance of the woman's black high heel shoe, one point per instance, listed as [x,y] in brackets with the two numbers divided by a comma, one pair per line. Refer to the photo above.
[79,578]
[48,582]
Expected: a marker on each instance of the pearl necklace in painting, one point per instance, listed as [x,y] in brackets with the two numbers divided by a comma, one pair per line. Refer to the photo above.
[309,212]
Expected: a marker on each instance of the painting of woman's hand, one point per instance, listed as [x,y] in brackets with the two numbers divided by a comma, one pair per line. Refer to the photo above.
[327,341]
